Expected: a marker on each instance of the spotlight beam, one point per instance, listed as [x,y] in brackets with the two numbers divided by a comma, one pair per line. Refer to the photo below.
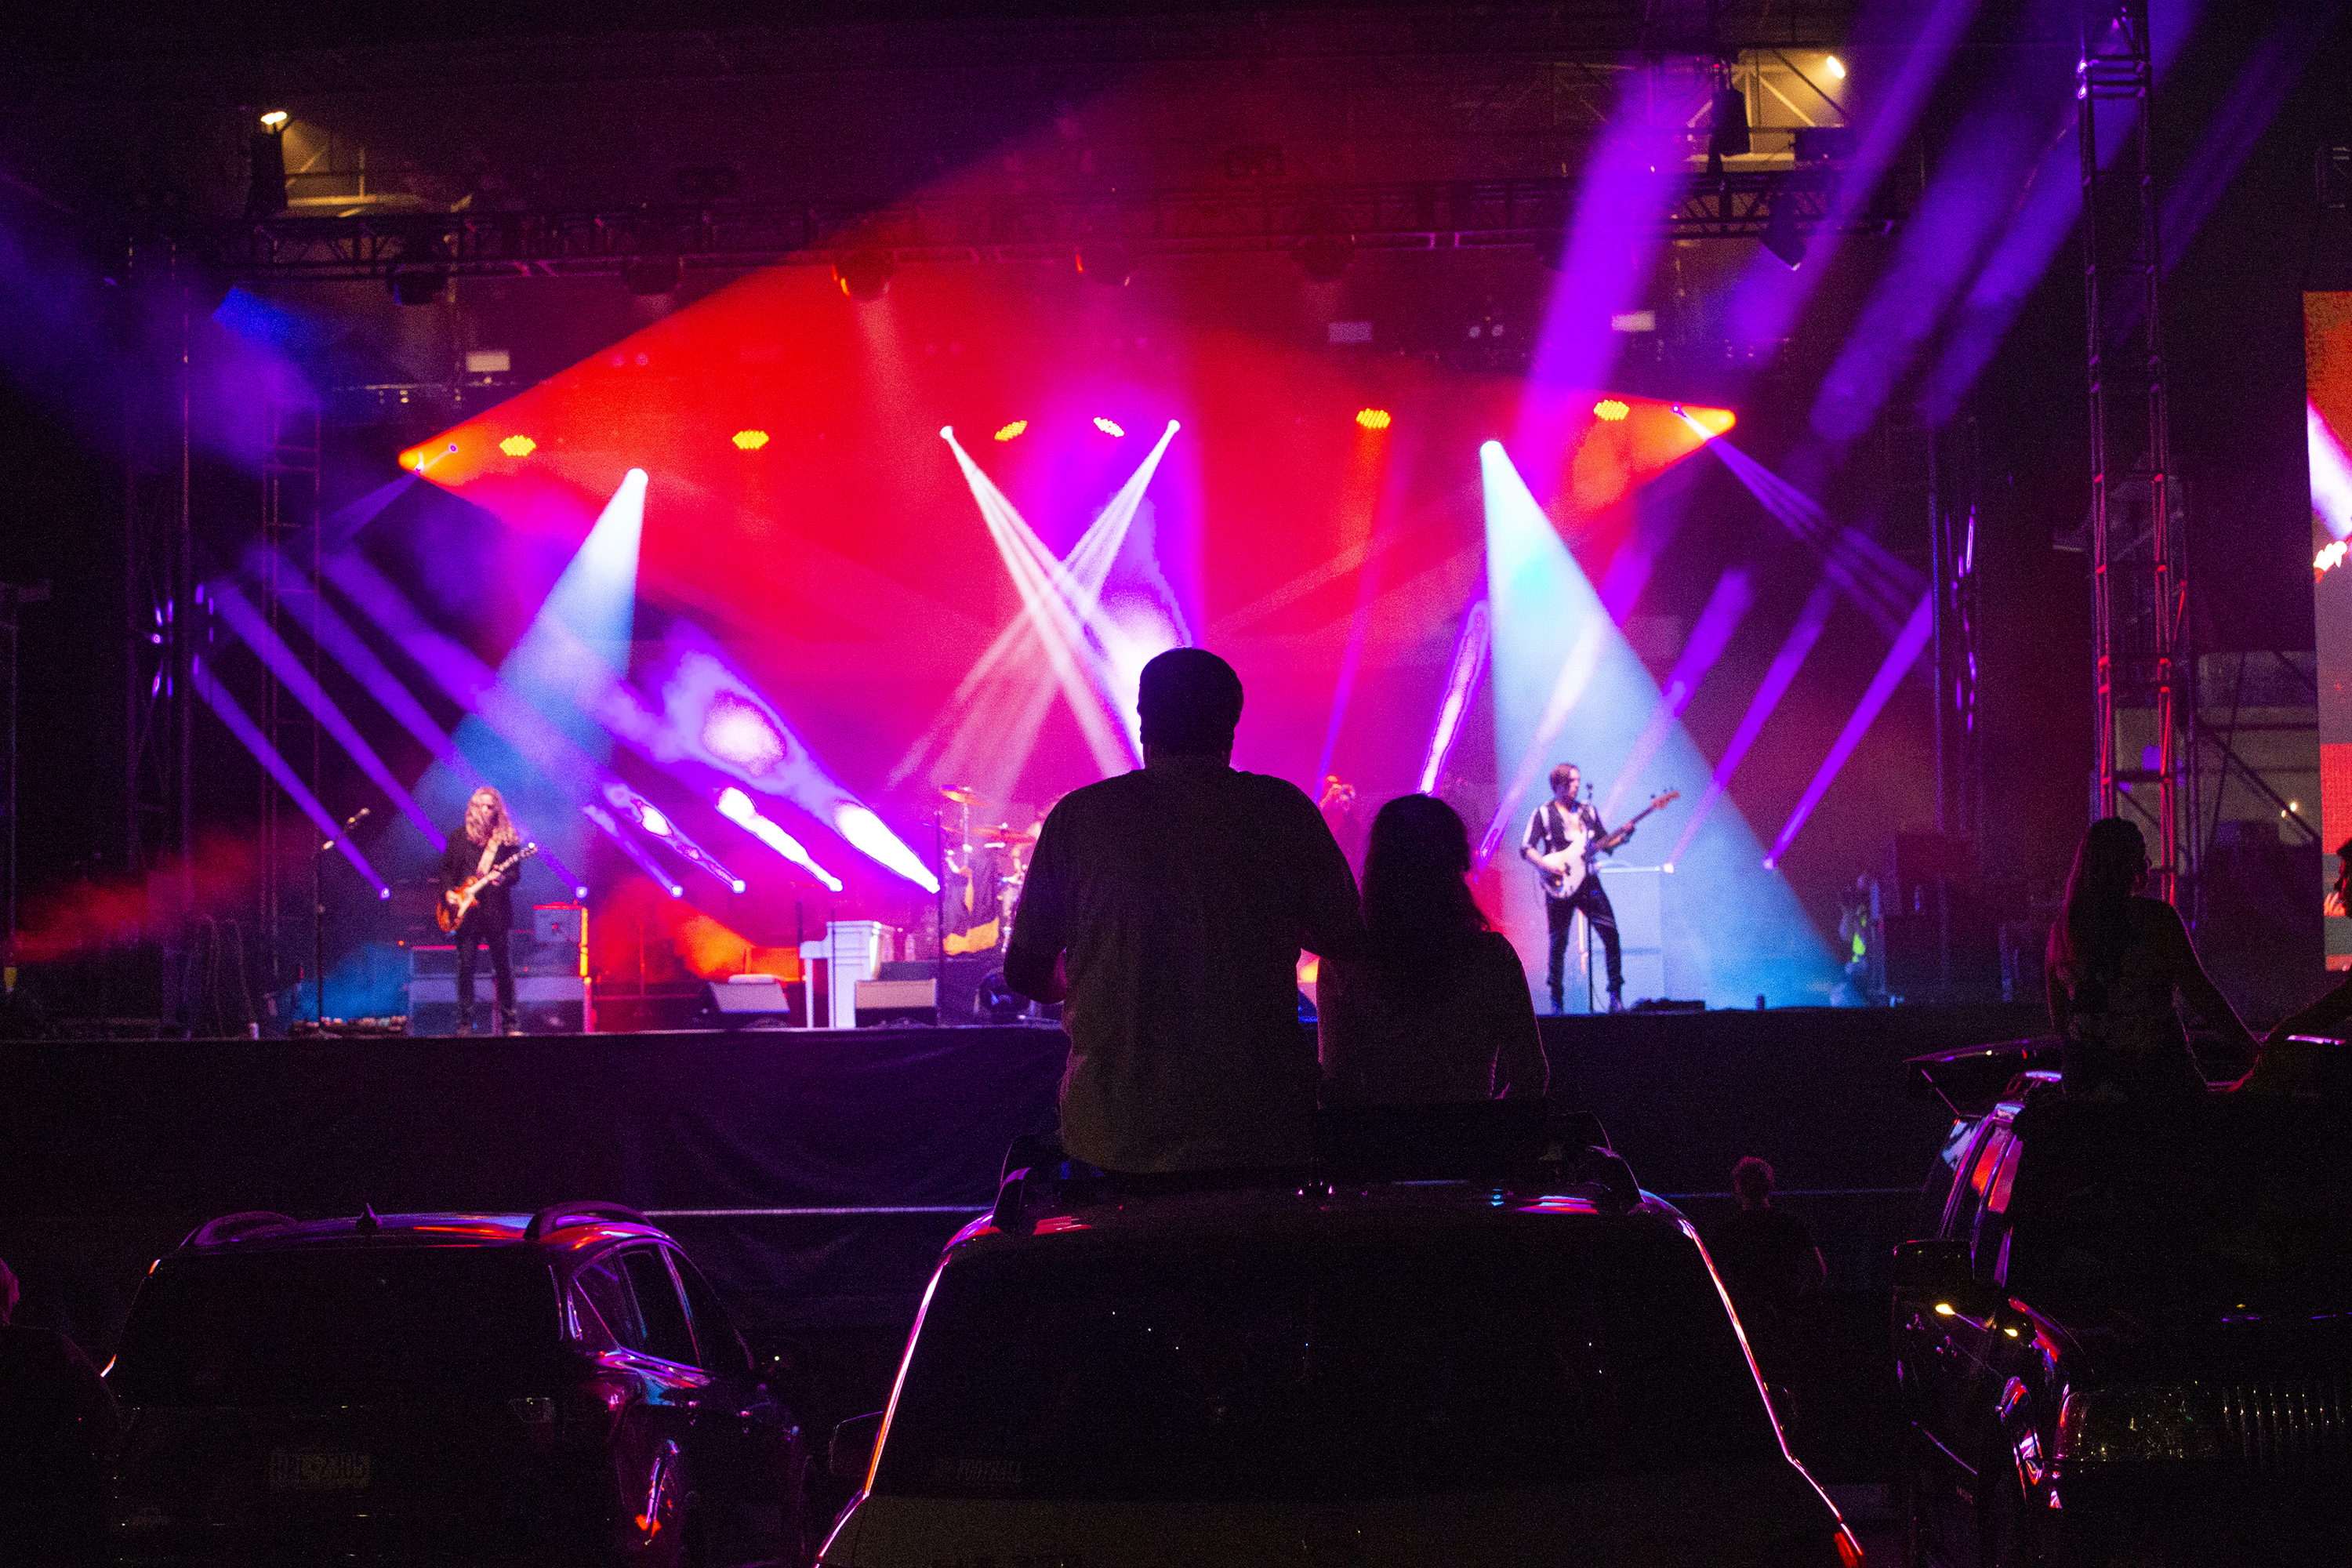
[350,651]
[630,847]
[1359,504]
[737,807]
[1726,609]
[656,823]
[247,624]
[241,725]
[1470,648]
[1051,598]
[1899,659]
[1778,677]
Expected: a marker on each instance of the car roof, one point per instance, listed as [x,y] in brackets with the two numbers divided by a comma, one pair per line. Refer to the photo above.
[568,1227]
[1378,1209]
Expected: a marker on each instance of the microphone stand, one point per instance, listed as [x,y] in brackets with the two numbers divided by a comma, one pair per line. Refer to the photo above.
[319,919]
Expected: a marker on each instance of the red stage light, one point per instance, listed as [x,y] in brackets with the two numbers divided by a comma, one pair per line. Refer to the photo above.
[749,440]
[1610,409]
[1018,425]
[518,445]
[1107,427]
[1373,418]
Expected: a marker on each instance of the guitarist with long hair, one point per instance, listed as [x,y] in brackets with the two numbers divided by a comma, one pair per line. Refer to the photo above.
[1562,836]
[489,841]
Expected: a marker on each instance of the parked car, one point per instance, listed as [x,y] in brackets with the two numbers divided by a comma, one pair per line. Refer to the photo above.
[1535,1369]
[2123,1333]
[557,1387]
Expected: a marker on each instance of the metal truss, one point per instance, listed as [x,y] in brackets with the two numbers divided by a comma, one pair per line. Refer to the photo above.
[1404,216]
[2144,674]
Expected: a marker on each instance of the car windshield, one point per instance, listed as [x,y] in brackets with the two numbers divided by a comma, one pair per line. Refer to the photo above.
[2242,1195]
[1517,1352]
[227,1330]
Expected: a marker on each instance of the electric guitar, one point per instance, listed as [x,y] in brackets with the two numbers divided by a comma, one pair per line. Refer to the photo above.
[1564,870]
[454,908]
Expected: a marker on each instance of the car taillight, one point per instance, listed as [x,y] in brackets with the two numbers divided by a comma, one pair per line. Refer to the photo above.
[593,1408]
[1837,1549]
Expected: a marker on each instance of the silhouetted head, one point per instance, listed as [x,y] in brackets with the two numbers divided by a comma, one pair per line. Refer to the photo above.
[1190,700]
[1415,898]
[1751,1182]
[2109,867]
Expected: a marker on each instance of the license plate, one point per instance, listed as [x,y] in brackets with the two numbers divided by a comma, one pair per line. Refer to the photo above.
[316,1470]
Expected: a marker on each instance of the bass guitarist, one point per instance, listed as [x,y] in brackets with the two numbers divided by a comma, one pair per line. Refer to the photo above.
[1562,837]
[488,838]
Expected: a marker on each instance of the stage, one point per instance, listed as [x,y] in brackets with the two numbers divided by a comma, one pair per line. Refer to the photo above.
[816,1172]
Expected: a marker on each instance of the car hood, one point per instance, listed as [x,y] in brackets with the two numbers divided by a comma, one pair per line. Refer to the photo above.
[1705,1517]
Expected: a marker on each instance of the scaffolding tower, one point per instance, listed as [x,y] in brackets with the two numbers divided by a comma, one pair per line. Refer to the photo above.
[2143,672]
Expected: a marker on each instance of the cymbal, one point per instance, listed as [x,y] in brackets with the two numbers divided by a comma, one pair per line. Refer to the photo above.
[962,794]
[1005,833]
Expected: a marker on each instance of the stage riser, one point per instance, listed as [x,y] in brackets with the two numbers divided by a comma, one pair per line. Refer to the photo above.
[110,1152]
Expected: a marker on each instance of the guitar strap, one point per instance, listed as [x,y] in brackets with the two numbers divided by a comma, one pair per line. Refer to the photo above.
[490,857]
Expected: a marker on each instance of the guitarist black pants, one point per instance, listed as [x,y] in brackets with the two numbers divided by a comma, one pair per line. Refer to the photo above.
[1592,902]
[478,926]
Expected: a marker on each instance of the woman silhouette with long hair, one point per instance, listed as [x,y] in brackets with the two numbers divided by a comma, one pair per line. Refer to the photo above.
[2115,961]
[1439,1008]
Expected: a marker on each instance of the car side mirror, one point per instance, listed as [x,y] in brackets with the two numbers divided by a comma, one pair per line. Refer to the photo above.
[850,1452]
[1937,1266]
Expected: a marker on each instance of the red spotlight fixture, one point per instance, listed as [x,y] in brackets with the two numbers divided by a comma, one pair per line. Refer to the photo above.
[865,274]
[1008,432]
[1106,262]
[1107,427]
[749,440]
[1373,418]
[518,445]
[1612,410]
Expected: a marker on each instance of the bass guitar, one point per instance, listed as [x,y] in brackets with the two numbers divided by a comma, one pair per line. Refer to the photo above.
[459,902]
[1564,870]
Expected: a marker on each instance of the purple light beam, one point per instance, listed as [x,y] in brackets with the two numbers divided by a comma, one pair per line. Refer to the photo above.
[242,726]
[1778,678]
[1899,659]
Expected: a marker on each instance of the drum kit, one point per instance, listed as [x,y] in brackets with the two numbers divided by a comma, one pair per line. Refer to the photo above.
[983,875]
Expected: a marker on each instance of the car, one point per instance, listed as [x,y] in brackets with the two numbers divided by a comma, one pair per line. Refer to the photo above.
[1400,1358]
[2123,1332]
[562,1386]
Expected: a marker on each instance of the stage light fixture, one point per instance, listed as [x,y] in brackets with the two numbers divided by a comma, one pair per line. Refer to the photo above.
[647,275]
[1612,410]
[265,194]
[1780,236]
[518,445]
[748,440]
[865,274]
[1836,66]
[1373,418]
[418,285]
[1324,257]
[1107,427]
[1730,137]
[1105,262]
[1008,432]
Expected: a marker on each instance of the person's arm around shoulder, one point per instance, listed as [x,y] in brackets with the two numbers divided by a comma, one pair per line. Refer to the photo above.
[1331,914]
[1032,959]
[2189,975]
[1339,1039]
[1520,1070]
